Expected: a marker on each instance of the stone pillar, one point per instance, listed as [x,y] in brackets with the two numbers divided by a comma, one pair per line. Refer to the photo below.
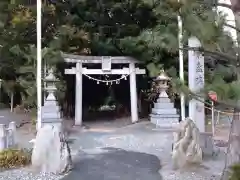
[12,126]
[3,141]
[196,82]
[133,93]
[78,95]
[11,135]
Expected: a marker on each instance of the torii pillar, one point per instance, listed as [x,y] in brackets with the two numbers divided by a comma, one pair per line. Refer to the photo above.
[132,71]
[133,92]
[78,95]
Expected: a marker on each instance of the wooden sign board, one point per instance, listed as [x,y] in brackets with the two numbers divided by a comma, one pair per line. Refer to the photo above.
[212,95]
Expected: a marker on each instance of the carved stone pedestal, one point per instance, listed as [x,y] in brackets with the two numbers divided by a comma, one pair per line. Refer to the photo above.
[164,115]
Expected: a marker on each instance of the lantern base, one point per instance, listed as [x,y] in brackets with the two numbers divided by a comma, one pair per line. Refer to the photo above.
[164,114]
[164,121]
[53,122]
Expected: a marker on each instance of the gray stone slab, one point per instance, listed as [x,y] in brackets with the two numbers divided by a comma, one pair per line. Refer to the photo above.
[207,144]
[51,120]
[117,164]
[164,111]
[164,115]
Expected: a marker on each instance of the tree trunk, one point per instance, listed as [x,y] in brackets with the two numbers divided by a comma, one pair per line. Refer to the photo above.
[235,5]
[233,149]
[237,21]
[236,11]
[11,101]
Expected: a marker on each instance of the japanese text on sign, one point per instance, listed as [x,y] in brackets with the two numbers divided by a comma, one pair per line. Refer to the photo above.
[199,78]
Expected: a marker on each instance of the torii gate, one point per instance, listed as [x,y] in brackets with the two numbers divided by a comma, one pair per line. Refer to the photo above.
[106,62]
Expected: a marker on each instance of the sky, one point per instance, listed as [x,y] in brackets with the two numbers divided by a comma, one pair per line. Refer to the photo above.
[229,17]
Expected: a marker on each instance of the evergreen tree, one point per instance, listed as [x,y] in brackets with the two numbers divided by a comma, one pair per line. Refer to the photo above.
[218,48]
[223,76]
[18,51]
[148,31]
[90,28]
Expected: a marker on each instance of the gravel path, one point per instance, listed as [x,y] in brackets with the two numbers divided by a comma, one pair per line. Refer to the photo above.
[131,153]
[6,117]
[144,138]
[26,174]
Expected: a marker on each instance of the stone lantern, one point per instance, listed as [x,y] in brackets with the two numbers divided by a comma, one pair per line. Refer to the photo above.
[50,109]
[51,152]
[163,113]
[162,81]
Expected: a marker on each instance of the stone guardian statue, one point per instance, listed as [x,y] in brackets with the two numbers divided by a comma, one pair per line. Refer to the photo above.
[186,146]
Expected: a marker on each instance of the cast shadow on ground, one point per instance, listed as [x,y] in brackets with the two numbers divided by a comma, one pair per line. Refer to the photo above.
[116,164]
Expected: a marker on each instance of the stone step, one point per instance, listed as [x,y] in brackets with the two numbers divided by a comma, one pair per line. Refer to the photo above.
[164,115]
[164,111]
[50,109]
[51,115]
[165,122]
[52,120]
[163,100]
[163,105]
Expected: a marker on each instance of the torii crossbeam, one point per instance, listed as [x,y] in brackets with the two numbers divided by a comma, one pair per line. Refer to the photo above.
[106,62]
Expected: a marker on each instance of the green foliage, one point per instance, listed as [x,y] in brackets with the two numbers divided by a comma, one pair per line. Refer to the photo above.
[217,46]
[18,51]
[235,172]
[145,30]
[14,158]
[90,28]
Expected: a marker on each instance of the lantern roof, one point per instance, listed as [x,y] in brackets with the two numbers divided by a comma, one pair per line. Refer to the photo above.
[163,76]
[50,76]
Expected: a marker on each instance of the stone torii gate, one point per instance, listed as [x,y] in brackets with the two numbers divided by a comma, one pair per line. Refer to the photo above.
[106,69]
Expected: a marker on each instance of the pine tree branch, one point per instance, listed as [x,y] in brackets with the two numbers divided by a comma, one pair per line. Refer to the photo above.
[224,5]
[202,98]
[225,57]
[233,27]
[228,105]
[229,6]
[234,8]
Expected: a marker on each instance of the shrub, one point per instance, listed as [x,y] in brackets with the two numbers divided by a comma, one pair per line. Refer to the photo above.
[34,121]
[235,172]
[12,158]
